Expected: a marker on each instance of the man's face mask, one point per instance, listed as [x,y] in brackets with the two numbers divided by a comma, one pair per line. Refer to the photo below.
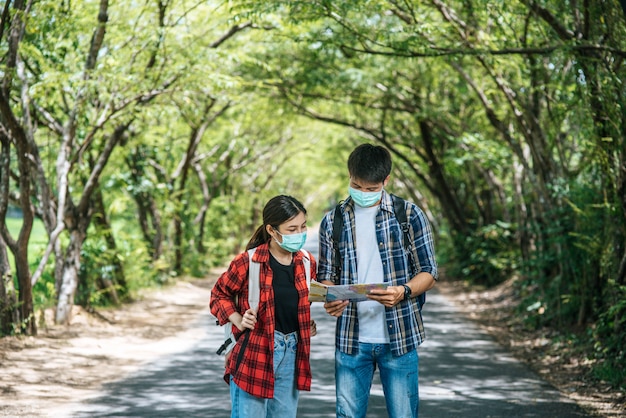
[364,199]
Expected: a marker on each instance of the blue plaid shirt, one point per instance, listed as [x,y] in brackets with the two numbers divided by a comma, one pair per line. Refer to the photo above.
[404,321]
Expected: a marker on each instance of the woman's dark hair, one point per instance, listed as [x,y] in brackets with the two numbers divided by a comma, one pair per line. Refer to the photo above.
[369,163]
[277,210]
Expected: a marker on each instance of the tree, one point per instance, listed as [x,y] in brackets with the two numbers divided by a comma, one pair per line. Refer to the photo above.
[14,134]
[88,115]
[151,97]
[500,111]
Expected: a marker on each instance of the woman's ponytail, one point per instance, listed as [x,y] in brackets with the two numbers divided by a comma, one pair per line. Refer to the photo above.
[259,237]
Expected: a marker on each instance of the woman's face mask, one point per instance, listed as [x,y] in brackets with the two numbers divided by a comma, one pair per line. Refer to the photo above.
[292,242]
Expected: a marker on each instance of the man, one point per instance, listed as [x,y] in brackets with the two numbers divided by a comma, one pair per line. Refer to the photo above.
[384,331]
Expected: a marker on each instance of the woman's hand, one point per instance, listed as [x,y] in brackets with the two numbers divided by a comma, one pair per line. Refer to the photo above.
[248,320]
[313,328]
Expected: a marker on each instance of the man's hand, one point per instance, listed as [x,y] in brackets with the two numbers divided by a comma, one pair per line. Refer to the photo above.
[388,297]
[336,307]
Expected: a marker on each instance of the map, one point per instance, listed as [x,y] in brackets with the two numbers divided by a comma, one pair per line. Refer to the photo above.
[320,292]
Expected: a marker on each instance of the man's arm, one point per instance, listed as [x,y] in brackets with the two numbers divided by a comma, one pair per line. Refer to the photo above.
[393,295]
[423,242]
[421,283]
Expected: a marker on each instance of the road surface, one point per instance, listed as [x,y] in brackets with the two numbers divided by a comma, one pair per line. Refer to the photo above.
[463,373]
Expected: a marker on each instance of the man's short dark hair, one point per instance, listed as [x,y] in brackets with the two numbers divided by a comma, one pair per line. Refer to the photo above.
[370,163]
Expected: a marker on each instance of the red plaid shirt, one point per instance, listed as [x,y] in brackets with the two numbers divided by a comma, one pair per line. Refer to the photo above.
[255,374]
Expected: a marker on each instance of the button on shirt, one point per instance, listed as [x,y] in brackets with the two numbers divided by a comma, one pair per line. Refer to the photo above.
[403,321]
[371,314]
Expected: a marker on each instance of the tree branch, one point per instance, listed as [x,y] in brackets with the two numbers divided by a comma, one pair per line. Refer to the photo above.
[443,52]
[98,36]
[230,33]
[550,19]
[92,181]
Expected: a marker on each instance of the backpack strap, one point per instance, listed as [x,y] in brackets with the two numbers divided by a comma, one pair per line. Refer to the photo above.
[399,211]
[337,230]
[254,286]
[400,214]
[254,274]
[306,258]
[254,294]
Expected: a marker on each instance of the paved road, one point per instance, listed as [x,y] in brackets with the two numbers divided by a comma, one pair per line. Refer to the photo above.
[463,373]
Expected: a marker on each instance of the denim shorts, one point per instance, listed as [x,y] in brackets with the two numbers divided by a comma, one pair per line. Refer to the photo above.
[285,400]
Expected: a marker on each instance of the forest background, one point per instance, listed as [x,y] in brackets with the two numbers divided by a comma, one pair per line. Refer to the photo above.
[140,140]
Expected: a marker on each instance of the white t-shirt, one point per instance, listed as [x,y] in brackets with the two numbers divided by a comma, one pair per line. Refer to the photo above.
[371,314]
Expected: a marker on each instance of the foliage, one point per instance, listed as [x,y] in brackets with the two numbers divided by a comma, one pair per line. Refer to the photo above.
[489,263]
[44,292]
[505,121]
[96,265]
[610,339]
[498,111]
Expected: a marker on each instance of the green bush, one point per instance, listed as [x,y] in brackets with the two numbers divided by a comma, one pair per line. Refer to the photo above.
[610,339]
[486,257]
[97,263]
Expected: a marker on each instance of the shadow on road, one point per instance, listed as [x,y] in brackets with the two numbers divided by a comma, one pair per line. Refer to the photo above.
[462,373]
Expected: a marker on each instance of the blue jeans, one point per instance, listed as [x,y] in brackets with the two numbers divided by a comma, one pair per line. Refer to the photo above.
[285,400]
[398,375]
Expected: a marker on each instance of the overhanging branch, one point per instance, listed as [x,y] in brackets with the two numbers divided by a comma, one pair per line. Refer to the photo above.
[443,52]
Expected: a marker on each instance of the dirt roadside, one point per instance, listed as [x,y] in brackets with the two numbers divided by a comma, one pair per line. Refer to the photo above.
[566,370]
[41,376]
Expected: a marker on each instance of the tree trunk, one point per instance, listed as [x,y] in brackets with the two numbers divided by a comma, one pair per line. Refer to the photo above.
[28,324]
[16,132]
[69,278]
[77,220]
[450,203]
[8,307]
[19,246]
[147,211]
[178,242]
[8,311]
[202,211]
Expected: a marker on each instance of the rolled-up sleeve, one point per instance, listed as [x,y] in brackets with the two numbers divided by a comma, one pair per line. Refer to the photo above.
[229,284]
[423,242]
[325,262]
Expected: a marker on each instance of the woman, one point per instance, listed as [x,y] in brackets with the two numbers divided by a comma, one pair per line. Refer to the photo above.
[269,364]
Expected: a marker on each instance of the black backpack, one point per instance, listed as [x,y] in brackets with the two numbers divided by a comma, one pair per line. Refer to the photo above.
[400,214]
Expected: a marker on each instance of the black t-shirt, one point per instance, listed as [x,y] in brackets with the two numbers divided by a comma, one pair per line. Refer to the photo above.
[285,296]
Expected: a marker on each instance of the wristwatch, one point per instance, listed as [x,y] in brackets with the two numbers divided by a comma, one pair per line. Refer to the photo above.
[407,292]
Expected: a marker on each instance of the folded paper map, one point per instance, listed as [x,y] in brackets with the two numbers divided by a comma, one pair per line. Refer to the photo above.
[320,292]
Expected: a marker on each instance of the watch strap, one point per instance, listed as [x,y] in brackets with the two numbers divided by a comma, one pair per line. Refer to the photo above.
[407,292]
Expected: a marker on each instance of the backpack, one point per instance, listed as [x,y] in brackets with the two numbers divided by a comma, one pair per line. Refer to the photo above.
[254,293]
[400,214]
